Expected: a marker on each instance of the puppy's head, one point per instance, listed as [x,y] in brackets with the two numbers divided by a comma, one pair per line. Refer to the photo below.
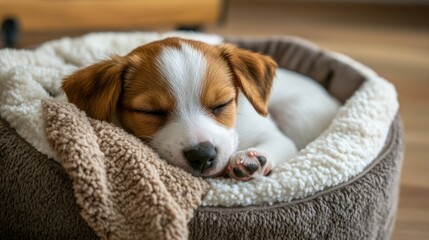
[179,96]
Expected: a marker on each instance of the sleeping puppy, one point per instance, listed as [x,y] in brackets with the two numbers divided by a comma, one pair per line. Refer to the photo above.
[205,108]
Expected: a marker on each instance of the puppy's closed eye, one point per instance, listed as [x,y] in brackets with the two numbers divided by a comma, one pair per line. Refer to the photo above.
[153,113]
[217,109]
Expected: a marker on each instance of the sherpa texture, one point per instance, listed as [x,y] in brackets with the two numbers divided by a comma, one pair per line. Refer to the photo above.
[124,189]
[353,140]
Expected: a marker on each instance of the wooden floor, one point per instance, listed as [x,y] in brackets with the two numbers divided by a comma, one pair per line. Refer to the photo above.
[392,40]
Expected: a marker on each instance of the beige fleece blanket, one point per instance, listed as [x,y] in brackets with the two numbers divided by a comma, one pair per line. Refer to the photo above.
[124,189]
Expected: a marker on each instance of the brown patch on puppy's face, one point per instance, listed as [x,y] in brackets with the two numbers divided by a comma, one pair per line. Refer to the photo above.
[147,102]
[219,94]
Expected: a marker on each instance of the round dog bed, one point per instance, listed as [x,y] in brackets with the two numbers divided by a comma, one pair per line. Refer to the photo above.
[344,185]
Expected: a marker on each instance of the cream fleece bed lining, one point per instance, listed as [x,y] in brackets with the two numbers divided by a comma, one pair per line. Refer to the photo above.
[352,141]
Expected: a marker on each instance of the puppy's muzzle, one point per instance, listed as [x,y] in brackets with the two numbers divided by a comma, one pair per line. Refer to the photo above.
[201,156]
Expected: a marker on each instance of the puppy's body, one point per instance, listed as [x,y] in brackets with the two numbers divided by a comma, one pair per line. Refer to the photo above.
[200,106]
[300,110]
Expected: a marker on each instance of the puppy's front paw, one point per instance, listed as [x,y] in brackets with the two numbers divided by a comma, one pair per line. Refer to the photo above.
[245,165]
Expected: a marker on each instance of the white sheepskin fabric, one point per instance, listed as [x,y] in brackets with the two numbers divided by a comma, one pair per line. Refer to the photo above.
[353,140]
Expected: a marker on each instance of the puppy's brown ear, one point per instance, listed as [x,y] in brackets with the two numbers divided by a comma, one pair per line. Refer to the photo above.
[253,74]
[96,88]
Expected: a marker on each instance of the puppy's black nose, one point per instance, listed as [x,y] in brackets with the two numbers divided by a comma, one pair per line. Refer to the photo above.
[201,156]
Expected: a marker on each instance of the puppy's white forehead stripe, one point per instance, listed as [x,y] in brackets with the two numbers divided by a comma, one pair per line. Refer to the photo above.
[184,69]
